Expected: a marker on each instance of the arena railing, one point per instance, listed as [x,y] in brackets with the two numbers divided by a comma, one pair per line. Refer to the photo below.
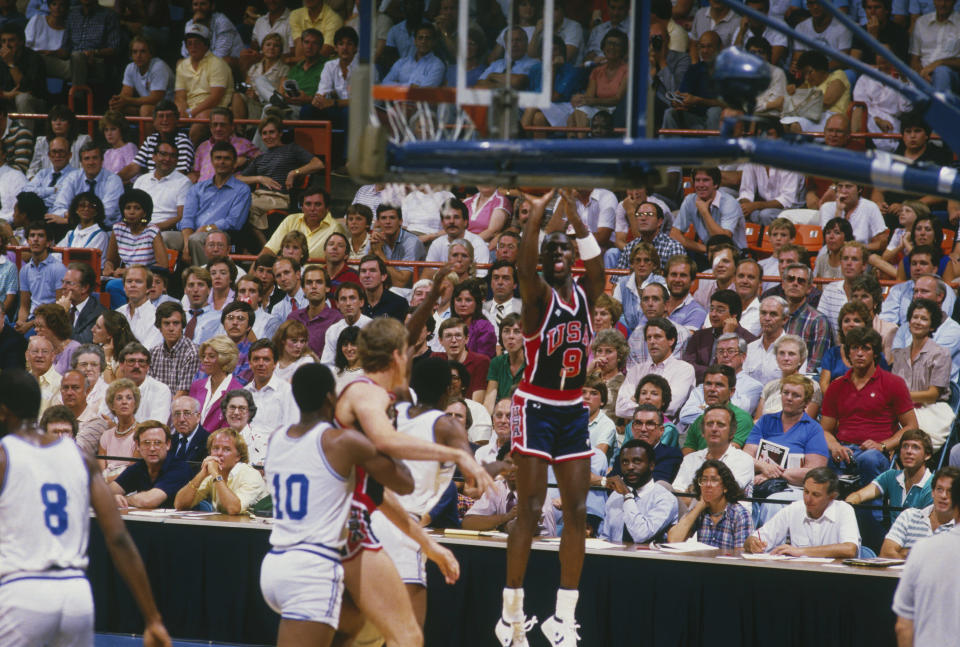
[314,135]
[678,132]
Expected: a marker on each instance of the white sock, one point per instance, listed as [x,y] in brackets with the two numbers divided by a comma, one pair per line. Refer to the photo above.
[513,605]
[567,604]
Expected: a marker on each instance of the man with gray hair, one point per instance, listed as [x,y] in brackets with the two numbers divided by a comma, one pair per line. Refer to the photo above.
[947,334]
[73,394]
[731,350]
[803,320]
[761,360]
[453,219]
[189,442]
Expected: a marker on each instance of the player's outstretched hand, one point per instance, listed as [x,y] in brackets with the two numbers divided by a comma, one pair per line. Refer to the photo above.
[475,475]
[445,561]
[155,635]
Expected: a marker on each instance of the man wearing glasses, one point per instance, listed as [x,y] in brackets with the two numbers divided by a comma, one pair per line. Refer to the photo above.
[803,320]
[647,218]
[49,181]
[134,361]
[166,186]
[154,481]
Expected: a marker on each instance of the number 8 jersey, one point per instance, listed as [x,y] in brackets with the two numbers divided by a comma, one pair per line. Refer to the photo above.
[556,355]
[44,508]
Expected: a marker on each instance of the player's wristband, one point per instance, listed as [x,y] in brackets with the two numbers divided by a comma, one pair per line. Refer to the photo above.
[588,247]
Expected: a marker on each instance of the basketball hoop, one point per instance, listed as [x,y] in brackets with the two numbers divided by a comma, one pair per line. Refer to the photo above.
[425,114]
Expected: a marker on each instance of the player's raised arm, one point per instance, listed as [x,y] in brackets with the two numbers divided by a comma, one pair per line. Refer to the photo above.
[126,557]
[589,251]
[425,310]
[388,472]
[532,287]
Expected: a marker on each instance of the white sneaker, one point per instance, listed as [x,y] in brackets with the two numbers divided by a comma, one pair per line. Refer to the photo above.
[560,633]
[514,634]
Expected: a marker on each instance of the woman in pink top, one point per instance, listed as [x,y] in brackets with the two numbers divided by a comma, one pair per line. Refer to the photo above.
[120,153]
[489,211]
[607,84]
[123,399]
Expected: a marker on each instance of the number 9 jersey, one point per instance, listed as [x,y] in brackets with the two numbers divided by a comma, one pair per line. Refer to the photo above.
[44,509]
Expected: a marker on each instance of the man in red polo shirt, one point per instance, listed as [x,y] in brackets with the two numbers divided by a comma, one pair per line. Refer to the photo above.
[865,411]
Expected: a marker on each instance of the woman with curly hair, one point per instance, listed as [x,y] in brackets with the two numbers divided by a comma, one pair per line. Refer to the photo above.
[468,306]
[111,332]
[715,516]
[51,321]
[123,400]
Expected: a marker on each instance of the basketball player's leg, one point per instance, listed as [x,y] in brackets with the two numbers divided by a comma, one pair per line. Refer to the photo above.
[573,480]
[295,633]
[418,600]
[351,622]
[376,589]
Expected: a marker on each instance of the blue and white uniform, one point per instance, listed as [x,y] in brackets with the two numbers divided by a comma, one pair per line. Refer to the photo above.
[301,577]
[547,418]
[45,598]
[430,480]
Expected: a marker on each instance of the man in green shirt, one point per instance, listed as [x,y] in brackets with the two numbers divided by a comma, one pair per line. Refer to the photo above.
[719,383]
[306,73]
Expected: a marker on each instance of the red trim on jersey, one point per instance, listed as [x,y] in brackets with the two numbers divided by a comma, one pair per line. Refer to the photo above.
[573,457]
[567,395]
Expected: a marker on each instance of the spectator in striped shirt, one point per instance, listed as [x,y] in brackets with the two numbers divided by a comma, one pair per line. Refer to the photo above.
[16,138]
[134,240]
[165,119]
[914,524]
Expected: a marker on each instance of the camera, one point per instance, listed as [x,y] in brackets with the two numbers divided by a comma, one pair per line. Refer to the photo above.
[292,88]
[656,42]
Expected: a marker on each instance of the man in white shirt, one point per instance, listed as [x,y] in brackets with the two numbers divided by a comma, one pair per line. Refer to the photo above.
[661,338]
[761,361]
[653,304]
[276,409]
[12,182]
[166,186]
[747,283]
[138,310]
[766,191]
[817,526]
[935,43]
[453,219]
[155,396]
[249,290]
[719,427]
[864,215]
[503,282]
[350,304]
[821,27]
[638,510]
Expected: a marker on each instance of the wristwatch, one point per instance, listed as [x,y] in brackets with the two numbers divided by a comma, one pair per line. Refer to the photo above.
[603,482]
[630,495]
[218,478]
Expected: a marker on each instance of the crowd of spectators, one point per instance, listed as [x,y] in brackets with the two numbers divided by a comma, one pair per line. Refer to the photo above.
[182,357]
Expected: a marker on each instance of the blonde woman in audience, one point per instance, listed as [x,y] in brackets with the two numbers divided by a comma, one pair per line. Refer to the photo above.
[218,358]
[118,152]
[610,351]
[122,399]
[606,313]
[791,352]
[290,341]
[294,245]
[262,79]
[226,482]
[111,332]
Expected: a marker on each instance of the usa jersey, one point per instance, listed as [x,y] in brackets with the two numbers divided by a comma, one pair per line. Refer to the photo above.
[44,507]
[367,492]
[556,354]
[311,500]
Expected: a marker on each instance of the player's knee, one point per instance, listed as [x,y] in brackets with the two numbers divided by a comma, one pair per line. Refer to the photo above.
[575,512]
[408,635]
[530,507]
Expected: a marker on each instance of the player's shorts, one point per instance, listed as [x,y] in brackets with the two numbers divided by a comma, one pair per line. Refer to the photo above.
[556,433]
[360,535]
[303,583]
[51,608]
[406,554]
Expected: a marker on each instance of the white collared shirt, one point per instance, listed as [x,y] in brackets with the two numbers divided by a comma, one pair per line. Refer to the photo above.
[934,41]
[761,363]
[276,410]
[837,525]
[678,373]
[333,334]
[168,193]
[142,323]
[739,462]
[750,318]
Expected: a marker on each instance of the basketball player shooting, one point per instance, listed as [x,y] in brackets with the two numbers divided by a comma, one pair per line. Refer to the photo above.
[548,420]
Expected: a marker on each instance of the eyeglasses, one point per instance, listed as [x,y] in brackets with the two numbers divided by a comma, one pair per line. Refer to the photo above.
[647,213]
[152,443]
[183,414]
[642,259]
[238,409]
[646,424]
[135,361]
[794,279]
[727,352]
[236,318]
[709,481]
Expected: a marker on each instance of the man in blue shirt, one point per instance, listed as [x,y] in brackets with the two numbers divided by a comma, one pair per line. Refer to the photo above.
[40,277]
[154,481]
[92,177]
[711,212]
[422,68]
[220,203]
[909,487]
[638,510]
[520,65]
[49,182]
[697,104]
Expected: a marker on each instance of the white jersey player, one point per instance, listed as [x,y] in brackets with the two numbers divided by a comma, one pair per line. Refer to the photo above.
[310,468]
[47,486]
[427,421]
